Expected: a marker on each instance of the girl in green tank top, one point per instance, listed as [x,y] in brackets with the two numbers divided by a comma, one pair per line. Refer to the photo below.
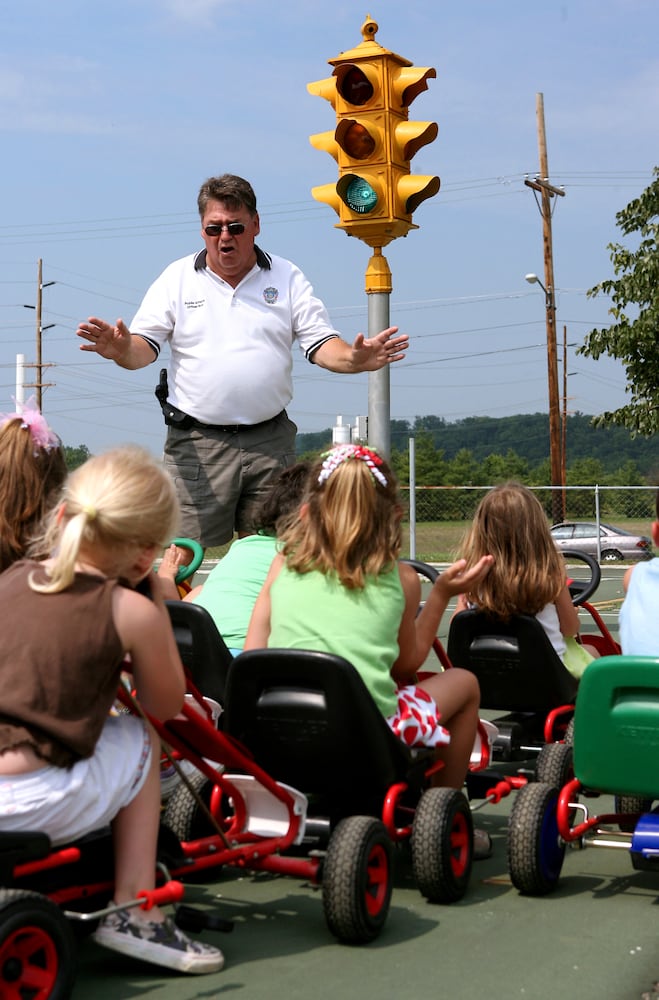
[337,586]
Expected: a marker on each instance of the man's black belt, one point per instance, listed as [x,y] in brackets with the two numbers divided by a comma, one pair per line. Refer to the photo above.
[230,428]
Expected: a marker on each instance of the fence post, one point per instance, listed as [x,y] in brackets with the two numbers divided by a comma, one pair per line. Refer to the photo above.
[412,457]
[597,522]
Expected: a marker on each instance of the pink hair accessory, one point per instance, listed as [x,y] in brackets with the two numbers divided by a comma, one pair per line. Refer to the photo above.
[343,452]
[33,420]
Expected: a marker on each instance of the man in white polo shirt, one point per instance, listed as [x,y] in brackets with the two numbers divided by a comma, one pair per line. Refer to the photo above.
[230,314]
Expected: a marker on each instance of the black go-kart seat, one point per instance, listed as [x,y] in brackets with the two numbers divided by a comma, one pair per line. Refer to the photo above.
[309,721]
[518,671]
[201,647]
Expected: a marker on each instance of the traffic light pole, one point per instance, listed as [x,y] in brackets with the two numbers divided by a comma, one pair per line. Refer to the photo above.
[370,90]
[378,290]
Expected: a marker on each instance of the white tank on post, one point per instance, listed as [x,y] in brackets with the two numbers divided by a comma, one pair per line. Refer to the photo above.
[341,432]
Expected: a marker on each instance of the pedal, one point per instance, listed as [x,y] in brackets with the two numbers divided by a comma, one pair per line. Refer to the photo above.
[188,918]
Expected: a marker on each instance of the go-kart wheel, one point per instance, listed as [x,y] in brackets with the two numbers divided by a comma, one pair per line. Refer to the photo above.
[554,765]
[357,879]
[582,590]
[38,956]
[569,733]
[535,850]
[183,815]
[442,845]
[633,804]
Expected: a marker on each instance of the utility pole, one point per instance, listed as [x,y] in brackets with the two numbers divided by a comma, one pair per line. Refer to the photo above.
[547,191]
[564,425]
[40,385]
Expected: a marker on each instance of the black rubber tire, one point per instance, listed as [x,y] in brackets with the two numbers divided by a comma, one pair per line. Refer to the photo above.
[631,804]
[569,733]
[611,555]
[442,845]
[535,851]
[183,815]
[357,879]
[38,954]
[554,765]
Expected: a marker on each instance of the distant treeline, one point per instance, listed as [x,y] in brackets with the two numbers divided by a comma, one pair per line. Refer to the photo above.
[481,450]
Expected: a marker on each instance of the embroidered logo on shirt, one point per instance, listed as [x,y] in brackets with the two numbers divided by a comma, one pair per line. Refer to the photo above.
[270,295]
[194,303]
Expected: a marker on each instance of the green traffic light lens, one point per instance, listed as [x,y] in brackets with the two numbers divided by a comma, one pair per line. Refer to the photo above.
[360,196]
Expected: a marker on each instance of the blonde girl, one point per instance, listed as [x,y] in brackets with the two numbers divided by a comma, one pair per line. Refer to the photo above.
[337,586]
[528,576]
[67,766]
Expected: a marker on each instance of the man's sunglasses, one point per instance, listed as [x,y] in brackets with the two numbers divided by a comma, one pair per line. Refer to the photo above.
[233,229]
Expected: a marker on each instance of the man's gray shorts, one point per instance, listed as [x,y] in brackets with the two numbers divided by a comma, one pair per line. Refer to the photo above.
[222,475]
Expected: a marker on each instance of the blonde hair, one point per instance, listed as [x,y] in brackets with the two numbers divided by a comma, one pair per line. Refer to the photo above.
[116,501]
[30,480]
[351,524]
[528,570]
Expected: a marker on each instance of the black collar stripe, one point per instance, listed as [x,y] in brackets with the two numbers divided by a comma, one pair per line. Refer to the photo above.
[263,259]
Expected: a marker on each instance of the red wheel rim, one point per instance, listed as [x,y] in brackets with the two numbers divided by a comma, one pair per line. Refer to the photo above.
[460,845]
[28,965]
[378,880]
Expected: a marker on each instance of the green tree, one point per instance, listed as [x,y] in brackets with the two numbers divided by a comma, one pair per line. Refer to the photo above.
[463,469]
[499,468]
[430,464]
[76,456]
[634,340]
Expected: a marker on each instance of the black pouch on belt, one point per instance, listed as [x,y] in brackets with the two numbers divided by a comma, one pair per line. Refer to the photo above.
[173,416]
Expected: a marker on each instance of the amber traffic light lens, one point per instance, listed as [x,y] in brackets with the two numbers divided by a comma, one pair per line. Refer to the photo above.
[358,142]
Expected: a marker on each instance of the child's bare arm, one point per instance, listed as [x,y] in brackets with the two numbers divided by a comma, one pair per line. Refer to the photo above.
[169,567]
[415,646]
[568,616]
[404,669]
[146,633]
[258,631]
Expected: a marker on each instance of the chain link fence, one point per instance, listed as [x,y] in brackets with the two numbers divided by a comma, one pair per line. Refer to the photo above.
[439,516]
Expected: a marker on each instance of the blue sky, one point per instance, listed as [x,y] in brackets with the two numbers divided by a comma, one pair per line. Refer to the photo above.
[112,115]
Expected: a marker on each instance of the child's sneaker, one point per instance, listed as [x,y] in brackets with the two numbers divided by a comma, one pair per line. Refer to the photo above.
[160,943]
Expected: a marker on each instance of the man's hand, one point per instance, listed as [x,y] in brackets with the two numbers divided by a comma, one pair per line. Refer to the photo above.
[112,342]
[364,354]
[116,343]
[371,354]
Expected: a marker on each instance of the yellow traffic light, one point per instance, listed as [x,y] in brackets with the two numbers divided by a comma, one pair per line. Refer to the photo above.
[370,90]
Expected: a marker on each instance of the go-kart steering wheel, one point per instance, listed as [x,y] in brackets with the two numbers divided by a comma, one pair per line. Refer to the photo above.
[581,590]
[185,572]
[423,569]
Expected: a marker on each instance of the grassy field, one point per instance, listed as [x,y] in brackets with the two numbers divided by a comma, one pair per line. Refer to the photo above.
[439,541]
